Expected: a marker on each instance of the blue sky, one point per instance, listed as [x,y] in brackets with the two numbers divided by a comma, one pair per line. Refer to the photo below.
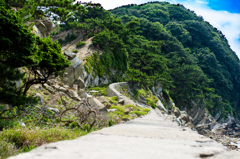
[222,14]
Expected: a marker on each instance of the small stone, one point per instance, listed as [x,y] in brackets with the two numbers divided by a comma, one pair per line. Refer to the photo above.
[70,55]
[49,88]
[40,97]
[127,111]
[133,115]
[111,110]
[125,119]
[82,93]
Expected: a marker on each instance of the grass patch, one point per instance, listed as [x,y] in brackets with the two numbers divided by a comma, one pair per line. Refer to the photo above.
[113,99]
[101,90]
[17,140]
[119,108]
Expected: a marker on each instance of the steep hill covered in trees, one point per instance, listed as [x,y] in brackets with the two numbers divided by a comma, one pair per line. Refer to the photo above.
[161,43]
[199,54]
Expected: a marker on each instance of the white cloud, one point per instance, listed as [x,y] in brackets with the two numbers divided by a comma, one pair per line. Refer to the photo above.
[201,2]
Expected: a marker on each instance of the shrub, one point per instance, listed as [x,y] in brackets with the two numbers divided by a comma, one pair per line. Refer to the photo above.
[101,90]
[81,43]
[146,109]
[25,139]
[119,108]
[74,51]
[7,149]
[151,102]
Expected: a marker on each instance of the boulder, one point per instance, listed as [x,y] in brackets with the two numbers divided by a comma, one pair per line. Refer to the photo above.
[82,93]
[73,72]
[73,94]
[127,110]
[121,101]
[125,119]
[44,27]
[96,81]
[70,55]
[133,115]
[184,116]
[49,88]
[96,104]
[103,100]
[80,83]
[128,101]
[40,97]
[59,88]
[177,112]
[160,106]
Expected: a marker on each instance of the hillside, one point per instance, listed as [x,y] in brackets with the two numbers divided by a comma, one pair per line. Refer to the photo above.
[163,44]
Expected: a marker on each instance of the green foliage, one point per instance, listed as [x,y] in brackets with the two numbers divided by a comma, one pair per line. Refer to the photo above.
[16,140]
[81,43]
[151,102]
[42,58]
[121,111]
[102,91]
[138,113]
[57,9]
[202,67]
[74,51]
[7,149]
[113,99]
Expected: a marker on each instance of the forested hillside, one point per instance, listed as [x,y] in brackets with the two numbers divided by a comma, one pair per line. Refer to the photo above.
[162,43]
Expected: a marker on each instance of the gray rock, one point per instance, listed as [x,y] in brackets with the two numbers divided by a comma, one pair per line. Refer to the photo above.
[125,119]
[177,112]
[74,71]
[73,94]
[121,101]
[59,88]
[82,93]
[96,81]
[160,106]
[49,88]
[103,100]
[128,101]
[80,83]
[44,26]
[96,104]
[127,110]
[111,110]
[184,116]
[40,97]
[70,54]
[133,115]
[93,91]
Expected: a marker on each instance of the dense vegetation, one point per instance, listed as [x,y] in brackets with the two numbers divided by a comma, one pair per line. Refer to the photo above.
[168,44]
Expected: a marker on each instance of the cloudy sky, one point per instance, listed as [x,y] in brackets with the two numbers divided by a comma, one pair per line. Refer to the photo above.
[222,14]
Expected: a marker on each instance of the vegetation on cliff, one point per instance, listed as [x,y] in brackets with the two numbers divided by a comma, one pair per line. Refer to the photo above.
[159,42]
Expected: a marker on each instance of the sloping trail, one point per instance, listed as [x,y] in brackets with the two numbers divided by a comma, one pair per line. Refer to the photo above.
[147,137]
